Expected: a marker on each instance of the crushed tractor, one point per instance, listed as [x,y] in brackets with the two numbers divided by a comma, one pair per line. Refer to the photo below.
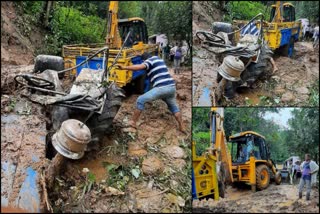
[245,48]
[244,159]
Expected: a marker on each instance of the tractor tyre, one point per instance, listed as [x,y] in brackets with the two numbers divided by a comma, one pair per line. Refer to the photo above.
[99,124]
[260,70]
[277,178]
[221,187]
[288,49]
[44,62]
[221,27]
[262,177]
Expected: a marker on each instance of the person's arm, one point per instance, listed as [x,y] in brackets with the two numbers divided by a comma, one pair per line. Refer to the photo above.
[314,166]
[133,67]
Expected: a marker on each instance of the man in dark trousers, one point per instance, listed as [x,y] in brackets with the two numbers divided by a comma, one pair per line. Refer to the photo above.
[163,87]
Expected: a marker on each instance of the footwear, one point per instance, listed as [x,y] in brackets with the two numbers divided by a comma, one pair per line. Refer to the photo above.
[300,195]
[308,197]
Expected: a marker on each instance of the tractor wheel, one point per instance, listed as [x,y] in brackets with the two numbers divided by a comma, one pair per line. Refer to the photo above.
[44,62]
[262,68]
[291,47]
[221,27]
[100,123]
[262,177]
[287,50]
[277,178]
[221,187]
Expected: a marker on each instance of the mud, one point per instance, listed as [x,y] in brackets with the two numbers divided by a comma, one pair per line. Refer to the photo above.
[291,85]
[122,159]
[23,150]
[19,37]
[274,199]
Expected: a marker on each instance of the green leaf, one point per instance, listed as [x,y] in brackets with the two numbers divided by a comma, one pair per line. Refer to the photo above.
[135,172]
[91,177]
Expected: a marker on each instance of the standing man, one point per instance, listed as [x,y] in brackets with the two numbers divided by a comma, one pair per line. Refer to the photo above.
[177,59]
[309,170]
[163,87]
[249,147]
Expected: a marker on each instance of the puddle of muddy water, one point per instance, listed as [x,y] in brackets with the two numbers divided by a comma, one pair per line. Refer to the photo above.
[253,96]
[205,98]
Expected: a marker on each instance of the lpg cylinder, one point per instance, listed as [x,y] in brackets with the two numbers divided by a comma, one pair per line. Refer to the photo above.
[71,139]
[231,68]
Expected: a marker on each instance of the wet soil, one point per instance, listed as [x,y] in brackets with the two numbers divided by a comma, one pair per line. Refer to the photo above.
[146,166]
[275,199]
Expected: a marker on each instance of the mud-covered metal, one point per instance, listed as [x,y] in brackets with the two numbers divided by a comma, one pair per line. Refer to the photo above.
[231,68]
[72,138]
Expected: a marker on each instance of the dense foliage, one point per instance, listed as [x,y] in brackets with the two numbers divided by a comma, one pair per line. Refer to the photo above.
[300,137]
[73,22]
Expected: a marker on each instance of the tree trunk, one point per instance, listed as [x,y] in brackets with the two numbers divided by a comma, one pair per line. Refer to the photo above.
[48,8]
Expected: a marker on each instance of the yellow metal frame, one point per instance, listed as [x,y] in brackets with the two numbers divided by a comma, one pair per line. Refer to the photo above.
[113,41]
[121,77]
[241,134]
[205,174]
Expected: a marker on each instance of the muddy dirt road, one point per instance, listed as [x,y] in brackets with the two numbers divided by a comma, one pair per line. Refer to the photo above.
[134,171]
[275,199]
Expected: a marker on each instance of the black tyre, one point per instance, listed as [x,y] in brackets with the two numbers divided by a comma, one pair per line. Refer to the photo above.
[100,123]
[262,177]
[287,50]
[44,62]
[221,27]
[261,69]
[277,178]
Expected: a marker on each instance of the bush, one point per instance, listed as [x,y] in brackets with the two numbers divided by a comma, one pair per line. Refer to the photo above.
[245,10]
[202,140]
[72,26]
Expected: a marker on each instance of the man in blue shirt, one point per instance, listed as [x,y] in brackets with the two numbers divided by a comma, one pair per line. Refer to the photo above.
[309,169]
[163,87]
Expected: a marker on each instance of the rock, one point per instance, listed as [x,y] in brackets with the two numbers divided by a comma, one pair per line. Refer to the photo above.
[136,150]
[280,91]
[312,59]
[129,129]
[113,191]
[174,151]
[182,96]
[179,163]
[152,166]
[276,78]
[287,97]
[302,90]
[173,184]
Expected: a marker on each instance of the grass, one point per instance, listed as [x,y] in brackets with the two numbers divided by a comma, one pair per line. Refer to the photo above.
[314,96]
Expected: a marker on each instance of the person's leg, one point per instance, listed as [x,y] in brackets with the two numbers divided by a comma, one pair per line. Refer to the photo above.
[175,65]
[178,65]
[301,184]
[151,95]
[308,182]
[170,100]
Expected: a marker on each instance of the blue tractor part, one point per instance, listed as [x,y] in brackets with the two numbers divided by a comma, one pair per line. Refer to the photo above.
[22,162]
[97,62]
[194,190]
